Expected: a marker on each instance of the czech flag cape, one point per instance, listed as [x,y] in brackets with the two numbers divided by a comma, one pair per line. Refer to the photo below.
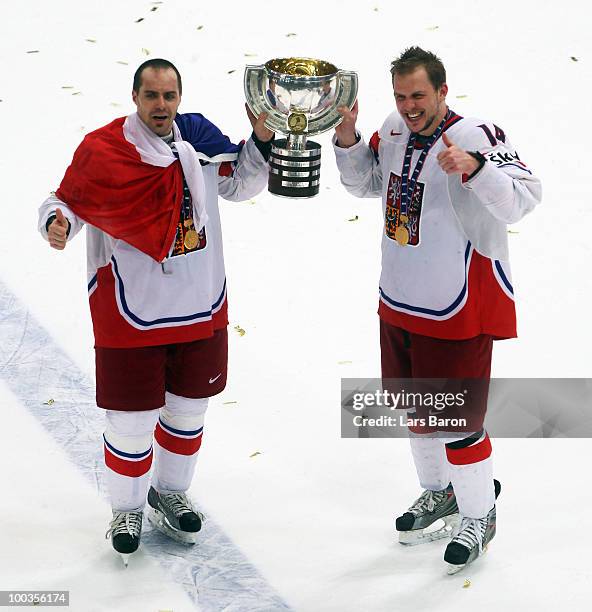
[110,186]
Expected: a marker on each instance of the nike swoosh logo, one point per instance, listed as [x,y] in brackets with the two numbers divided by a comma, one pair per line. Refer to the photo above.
[395,133]
[213,380]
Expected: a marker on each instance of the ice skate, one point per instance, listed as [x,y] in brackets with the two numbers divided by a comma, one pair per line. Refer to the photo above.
[423,521]
[173,515]
[470,542]
[125,531]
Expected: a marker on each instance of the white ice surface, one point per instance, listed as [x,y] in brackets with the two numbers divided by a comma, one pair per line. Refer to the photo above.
[312,512]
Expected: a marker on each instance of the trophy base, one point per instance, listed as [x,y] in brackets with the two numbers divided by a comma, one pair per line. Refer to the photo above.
[294,173]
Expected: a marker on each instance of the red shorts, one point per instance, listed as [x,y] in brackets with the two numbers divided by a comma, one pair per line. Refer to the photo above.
[463,363]
[137,378]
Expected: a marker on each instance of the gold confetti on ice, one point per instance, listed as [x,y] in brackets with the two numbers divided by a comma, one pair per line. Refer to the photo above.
[76,93]
[466,583]
[49,402]
[240,331]
[33,51]
[231,71]
[91,40]
[513,232]
[250,55]
[462,96]
[254,454]
[145,51]
[200,27]
[574,59]
[432,28]
[344,362]
[252,201]
[354,218]
[154,8]
[67,86]
[122,62]
[138,20]
[291,34]
[232,402]
[114,104]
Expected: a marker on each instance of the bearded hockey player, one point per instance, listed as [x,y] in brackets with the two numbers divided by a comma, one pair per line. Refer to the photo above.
[449,185]
[147,187]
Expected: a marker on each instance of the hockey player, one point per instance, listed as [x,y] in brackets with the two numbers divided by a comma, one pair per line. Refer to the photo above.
[147,187]
[449,185]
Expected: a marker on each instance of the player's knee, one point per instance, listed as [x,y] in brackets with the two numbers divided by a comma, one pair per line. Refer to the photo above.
[130,431]
[184,413]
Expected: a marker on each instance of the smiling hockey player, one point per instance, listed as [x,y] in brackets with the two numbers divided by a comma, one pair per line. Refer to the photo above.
[449,185]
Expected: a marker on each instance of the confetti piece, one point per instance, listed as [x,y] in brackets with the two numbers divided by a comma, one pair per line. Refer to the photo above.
[462,96]
[574,59]
[354,218]
[291,34]
[138,20]
[49,402]
[231,71]
[226,403]
[91,40]
[345,362]
[114,104]
[433,28]
[200,27]
[154,8]
[252,201]
[250,55]
[466,583]
[33,51]
[513,232]
[76,93]
[67,86]
[375,9]
[145,51]
[122,62]
[239,330]
[254,454]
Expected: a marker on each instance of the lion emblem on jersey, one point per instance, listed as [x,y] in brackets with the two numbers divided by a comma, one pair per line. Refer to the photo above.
[392,216]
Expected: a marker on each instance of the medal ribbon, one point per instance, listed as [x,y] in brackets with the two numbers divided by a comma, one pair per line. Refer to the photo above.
[407,184]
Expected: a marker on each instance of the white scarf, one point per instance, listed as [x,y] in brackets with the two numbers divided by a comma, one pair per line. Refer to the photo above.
[154,151]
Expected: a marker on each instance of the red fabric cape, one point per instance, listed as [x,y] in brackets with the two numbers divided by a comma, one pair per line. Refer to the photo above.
[110,187]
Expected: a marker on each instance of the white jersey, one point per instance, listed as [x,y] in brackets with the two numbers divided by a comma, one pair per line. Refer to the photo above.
[136,301]
[452,279]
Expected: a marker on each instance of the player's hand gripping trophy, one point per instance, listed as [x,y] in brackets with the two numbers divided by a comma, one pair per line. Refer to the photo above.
[301,97]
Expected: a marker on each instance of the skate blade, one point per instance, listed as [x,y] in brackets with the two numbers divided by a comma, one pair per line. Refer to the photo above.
[158,520]
[421,536]
[124,558]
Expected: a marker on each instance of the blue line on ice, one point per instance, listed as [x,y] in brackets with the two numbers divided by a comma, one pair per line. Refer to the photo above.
[214,573]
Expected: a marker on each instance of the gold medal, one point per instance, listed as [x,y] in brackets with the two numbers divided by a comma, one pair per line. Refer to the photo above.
[402,235]
[191,239]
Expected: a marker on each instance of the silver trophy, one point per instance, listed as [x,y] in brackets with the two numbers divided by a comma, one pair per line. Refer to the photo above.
[301,97]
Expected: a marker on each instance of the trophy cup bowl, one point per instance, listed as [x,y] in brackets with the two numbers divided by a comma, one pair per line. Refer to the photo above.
[301,97]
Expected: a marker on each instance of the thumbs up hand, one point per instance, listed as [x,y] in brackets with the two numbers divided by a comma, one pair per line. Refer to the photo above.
[57,232]
[454,160]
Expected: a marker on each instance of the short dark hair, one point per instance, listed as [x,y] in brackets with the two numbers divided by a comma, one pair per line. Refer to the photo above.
[158,64]
[415,57]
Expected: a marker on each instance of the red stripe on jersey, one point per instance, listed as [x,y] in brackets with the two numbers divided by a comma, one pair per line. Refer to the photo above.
[374,143]
[127,468]
[488,310]
[470,454]
[175,444]
[113,331]
[225,169]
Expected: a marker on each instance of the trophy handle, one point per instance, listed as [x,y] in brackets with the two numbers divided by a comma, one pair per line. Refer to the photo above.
[346,94]
[259,99]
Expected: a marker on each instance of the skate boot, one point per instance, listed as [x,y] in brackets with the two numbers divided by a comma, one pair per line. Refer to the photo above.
[173,515]
[470,542]
[428,508]
[125,531]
